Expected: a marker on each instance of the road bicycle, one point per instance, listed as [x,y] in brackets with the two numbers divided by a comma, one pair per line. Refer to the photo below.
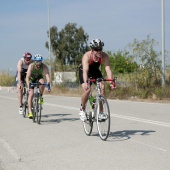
[25,101]
[98,110]
[37,105]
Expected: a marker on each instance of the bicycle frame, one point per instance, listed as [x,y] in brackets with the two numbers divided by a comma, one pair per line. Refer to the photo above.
[98,88]
[37,106]
[100,113]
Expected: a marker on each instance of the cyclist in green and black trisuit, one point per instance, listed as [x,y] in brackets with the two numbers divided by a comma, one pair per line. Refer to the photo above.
[35,73]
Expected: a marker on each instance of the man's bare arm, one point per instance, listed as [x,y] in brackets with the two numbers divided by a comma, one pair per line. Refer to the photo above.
[107,67]
[46,73]
[19,69]
[28,75]
[85,63]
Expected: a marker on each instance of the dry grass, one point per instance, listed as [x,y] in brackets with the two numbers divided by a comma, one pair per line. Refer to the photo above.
[63,91]
[6,79]
[121,93]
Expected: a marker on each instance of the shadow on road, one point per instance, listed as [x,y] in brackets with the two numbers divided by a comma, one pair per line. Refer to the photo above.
[58,118]
[127,134]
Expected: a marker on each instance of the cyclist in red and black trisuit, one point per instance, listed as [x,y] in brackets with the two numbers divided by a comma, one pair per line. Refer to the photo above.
[89,68]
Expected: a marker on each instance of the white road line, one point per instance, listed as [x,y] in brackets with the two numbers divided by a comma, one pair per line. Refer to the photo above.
[8,98]
[61,106]
[141,120]
[112,114]
[119,116]
[12,152]
[149,145]
[139,102]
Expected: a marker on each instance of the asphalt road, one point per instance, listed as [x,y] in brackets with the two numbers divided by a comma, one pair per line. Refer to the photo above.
[139,137]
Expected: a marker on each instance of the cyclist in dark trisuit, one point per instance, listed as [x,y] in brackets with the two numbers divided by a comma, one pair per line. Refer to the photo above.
[89,68]
[22,67]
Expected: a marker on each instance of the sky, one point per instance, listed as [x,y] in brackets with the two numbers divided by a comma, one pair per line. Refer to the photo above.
[24,24]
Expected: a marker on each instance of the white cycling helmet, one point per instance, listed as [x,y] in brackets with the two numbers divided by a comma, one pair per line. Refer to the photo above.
[96,43]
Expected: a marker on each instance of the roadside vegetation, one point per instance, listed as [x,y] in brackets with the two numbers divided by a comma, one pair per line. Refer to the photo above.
[137,67]
[125,90]
[6,79]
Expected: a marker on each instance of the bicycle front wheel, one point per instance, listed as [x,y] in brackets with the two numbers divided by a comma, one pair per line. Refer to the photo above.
[39,108]
[25,105]
[103,118]
[34,109]
[88,124]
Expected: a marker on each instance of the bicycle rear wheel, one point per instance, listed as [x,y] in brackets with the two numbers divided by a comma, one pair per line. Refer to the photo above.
[25,109]
[103,118]
[88,124]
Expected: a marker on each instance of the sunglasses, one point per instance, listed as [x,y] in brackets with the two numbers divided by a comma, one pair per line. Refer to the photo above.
[27,58]
[38,62]
[98,49]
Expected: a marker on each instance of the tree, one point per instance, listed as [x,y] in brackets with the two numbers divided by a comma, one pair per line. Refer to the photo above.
[68,45]
[150,69]
[121,62]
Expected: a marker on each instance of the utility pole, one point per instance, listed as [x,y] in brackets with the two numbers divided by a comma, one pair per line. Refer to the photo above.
[49,37]
[163,46]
